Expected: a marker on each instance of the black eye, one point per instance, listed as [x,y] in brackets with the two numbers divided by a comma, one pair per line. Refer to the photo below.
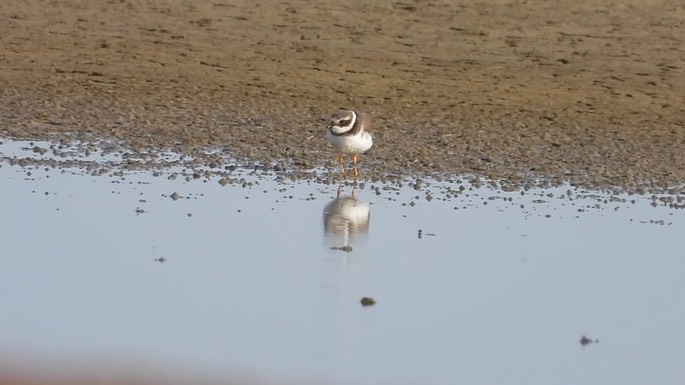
[344,122]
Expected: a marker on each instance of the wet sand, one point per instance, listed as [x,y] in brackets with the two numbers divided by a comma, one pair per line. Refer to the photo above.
[587,92]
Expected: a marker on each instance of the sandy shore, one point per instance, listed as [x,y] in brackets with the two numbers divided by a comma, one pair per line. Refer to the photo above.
[585,91]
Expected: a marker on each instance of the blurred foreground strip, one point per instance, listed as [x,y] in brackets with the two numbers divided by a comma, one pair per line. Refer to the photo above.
[40,373]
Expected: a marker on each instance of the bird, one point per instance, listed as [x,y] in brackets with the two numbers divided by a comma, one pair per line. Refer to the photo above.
[348,132]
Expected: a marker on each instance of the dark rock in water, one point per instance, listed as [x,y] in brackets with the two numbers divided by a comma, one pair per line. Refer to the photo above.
[174,196]
[367,301]
[586,341]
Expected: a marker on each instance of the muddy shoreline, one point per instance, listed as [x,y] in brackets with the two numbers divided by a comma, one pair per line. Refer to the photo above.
[509,90]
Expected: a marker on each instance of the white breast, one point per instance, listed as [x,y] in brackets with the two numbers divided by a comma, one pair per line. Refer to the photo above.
[355,144]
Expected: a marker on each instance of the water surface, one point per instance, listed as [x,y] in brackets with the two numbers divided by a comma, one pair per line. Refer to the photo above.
[472,285]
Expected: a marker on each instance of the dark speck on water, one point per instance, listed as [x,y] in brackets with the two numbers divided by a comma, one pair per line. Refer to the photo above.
[586,341]
[367,301]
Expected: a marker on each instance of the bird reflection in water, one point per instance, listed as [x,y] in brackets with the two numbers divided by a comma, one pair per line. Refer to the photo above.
[344,218]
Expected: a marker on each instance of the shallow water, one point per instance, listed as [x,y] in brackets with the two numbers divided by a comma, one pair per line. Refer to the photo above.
[473,286]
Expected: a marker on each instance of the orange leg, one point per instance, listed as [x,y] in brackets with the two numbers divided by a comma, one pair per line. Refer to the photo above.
[354,169]
[341,162]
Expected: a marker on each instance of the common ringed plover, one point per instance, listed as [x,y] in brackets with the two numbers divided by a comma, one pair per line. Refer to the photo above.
[348,133]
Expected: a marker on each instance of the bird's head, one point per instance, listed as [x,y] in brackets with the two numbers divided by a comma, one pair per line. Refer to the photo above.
[342,121]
